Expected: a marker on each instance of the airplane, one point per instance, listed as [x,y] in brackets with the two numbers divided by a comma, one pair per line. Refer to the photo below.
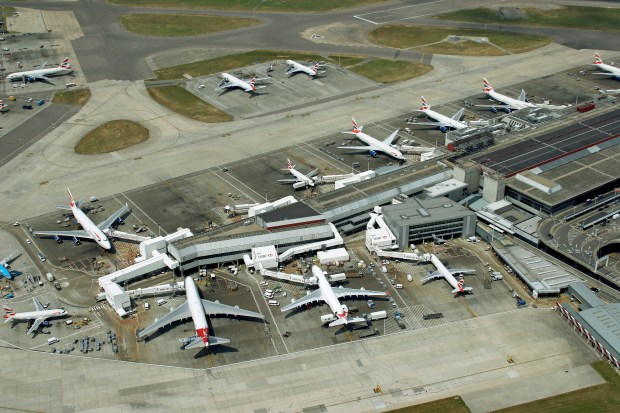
[374,145]
[443,272]
[615,92]
[89,229]
[443,122]
[230,81]
[196,308]
[3,107]
[4,265]
[294,67]
[611,70]
[39,316]
[42,73]
[508,104]
[330,295]
[301,180]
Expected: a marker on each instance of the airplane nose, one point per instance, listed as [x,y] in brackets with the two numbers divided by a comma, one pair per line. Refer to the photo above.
[106,245]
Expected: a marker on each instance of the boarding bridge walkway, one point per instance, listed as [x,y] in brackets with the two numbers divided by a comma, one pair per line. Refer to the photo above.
[126,235]
[315,246]
[157,262]
[157,290]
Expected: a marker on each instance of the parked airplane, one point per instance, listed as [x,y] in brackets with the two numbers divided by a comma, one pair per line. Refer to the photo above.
[301,180]
[443,272]
[230,81]
[89,229]
[330,295]
[508,104]
[196,308]
[443,122]
[3,107]
[39,316]
[4,265]
[374,145]
[615,92]
[294,67]
[611,70]
[42,73]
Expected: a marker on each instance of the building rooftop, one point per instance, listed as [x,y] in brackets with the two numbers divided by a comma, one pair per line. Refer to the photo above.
[292,211]
[415,210]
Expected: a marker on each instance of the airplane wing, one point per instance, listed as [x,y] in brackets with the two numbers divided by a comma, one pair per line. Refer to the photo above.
[352,292]
[461,271]
[429,123]
[289,180]
[259,80]
[457,116]
[9,258]
[40,77]
[78,233]
[360,148]
[178,313]
[249,89]
[522,96]
[106,224]
[224,84]
[291,69]
[37,305]
[432,276]
[313,297]
[36,325]
[213,308]
[312,173]
[389,139]
[498,106]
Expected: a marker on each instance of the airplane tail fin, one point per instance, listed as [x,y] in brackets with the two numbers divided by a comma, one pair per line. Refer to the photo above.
[253,83]
[425,104]
[356,128]
[289,165]
[65,63]
[597,59]
[8,313]
[486,86]
[71,200]
[457,116]
[523,96]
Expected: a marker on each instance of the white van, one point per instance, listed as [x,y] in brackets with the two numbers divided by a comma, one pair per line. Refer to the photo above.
[52,340]
[398,286]
[68,322]
[273,302]
[161,301]
[268,295]
[147,306]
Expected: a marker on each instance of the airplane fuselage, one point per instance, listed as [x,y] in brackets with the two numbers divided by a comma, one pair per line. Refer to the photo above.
[197,311]
[303,178]
[52,71]
[246,86]
[5,272]
[301,68]
[33,315]
[378,145]
[338,309]
[91,229]
[443,119]
[608,68]
[507,100]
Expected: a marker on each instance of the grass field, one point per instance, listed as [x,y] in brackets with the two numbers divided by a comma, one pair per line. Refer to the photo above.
[448,405]
[181,101]
[600,399]
[426,38]
[112,136]
[347,60]
[569,16]
[280,5]
[77,97]
[224,63]
[390,71]
[169,25]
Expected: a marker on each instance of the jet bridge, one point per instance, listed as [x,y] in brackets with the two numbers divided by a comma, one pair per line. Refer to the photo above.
[314,246]
[300,279]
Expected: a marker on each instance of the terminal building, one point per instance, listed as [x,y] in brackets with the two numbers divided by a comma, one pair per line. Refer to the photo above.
[425,219]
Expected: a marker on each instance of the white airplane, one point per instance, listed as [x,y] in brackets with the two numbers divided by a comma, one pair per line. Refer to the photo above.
[509,104]
[294,67]
[3,107]
[42,73]
[615,92]
[89,229]
[443,122]
[443,272]
[196,308]
[39,316]
[301,180]
[611,70]
[330,295]
[230,81]
[374,145]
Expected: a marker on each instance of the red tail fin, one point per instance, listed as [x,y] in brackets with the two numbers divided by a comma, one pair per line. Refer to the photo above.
[486,86]
[424,104]
[71,200]
[597,59]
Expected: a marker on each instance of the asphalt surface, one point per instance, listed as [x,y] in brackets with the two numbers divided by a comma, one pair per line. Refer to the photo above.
[107,51]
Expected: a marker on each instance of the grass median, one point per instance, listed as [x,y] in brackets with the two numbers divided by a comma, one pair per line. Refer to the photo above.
[172,25]
[297,6]
[112,136]
[434,40]
[181,101]
[578,17]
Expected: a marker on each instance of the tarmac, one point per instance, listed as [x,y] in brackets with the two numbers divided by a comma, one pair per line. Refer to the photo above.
[469,358]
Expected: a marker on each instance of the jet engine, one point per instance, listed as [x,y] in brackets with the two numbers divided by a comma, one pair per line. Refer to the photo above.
[373,153]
